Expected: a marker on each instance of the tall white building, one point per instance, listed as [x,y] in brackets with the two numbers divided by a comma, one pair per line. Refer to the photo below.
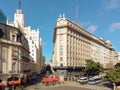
[33,37]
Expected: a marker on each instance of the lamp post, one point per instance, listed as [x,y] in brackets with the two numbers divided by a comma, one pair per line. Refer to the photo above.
[73,71]
[19,57]
[13,84]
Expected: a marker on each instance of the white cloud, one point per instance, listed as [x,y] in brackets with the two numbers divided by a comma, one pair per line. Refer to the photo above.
[114,27]
[92,28]
[89,27]
[112,4]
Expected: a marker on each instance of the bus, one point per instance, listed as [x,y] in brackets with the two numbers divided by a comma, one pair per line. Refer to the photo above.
[95,80]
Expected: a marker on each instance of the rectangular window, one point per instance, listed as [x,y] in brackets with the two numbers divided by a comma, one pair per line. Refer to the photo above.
[13,37]
[61,48]
[61,58]
[61,42]
[61,36]
[61,30]
[61,64]
[61,53]
[4,52]
[13,67]
[14,52]
[4,67]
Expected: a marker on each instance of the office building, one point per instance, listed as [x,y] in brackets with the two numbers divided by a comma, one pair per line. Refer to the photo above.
[73,45]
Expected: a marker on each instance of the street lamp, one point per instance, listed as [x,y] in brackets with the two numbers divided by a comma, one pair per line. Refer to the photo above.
[13,84]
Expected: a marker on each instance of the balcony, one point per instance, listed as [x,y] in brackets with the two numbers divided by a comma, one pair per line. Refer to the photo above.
[13,72]
[15,57]
[26,71]
[25,58]
[2,73]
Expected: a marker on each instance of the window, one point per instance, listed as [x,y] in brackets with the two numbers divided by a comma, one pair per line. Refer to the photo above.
[61,42]
[61,30]
[32,54]
[61,64]
[13,37]
[13,67]
[14,52]
[61,36]
[4,53]
[61,58]
[61,53]
[61,48]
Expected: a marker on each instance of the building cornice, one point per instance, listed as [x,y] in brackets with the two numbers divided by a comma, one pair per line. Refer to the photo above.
[7,42]
[78,28]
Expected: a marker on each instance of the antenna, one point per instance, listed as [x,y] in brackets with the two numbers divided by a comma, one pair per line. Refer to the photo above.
[19,4]
[76,14]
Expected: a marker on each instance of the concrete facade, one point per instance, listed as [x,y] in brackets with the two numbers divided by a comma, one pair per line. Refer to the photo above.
[14,54]
[73,45]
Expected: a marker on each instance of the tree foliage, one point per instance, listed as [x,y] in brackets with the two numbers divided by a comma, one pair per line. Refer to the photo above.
[114,75]
[93,68]
[117,65]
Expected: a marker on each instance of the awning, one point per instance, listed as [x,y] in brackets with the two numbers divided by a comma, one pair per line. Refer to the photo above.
[17,82]
[14,82]
[1,84]
[10,82]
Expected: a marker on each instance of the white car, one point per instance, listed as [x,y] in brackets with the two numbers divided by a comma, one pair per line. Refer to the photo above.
[83,80]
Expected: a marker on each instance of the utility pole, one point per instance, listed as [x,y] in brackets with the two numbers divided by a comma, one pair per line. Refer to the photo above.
[19,4]
[76,14]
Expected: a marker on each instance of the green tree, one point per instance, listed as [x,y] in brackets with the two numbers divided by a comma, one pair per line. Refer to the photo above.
[117,65]
[93,68]
[114,75]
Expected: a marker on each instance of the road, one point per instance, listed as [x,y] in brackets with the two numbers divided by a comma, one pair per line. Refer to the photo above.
[63,88]
[67,86]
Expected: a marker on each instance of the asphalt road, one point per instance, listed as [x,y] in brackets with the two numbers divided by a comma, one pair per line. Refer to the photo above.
[61,88]
[67,86]
[64,88]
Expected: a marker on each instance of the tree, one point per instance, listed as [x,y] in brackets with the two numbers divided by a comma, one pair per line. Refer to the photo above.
[114,75]
[93,68]
[117,65]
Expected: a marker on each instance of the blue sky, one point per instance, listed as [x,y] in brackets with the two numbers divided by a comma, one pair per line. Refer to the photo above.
[100,17]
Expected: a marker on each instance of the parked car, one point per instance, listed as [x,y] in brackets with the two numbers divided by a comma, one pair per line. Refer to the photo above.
[83,80]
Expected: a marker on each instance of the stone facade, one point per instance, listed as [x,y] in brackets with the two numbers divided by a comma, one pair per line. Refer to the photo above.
[14,53]
[73,45]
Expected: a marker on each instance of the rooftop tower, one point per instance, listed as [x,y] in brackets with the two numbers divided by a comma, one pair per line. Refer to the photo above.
[19,16]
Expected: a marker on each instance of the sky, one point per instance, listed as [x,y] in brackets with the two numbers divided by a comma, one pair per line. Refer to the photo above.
[99,17]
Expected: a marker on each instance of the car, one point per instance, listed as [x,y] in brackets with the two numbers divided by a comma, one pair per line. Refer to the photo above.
[83,80]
